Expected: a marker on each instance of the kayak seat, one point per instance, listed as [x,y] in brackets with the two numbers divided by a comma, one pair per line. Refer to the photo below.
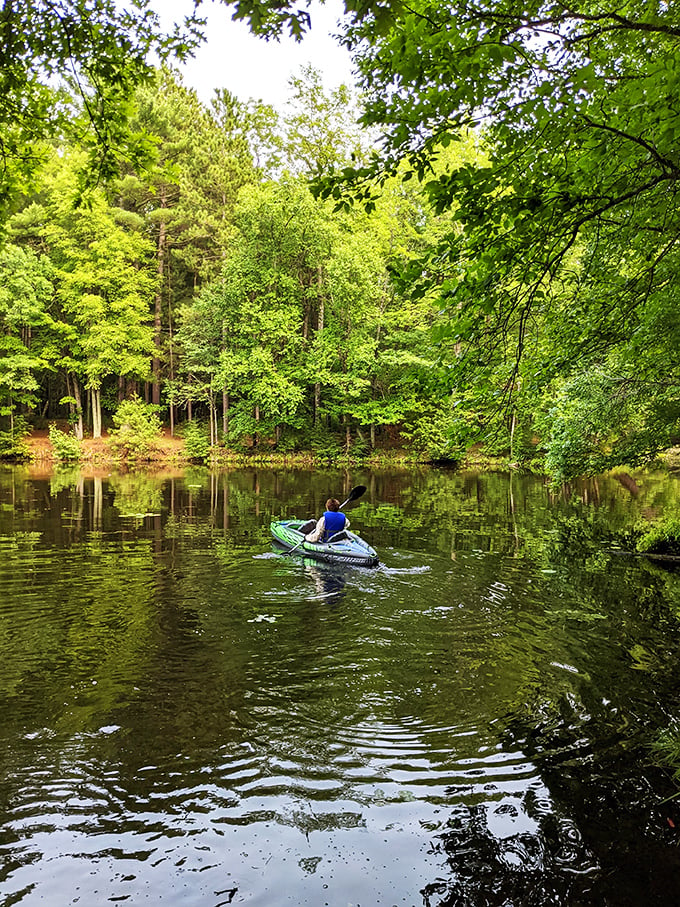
[339,536]
[307,527]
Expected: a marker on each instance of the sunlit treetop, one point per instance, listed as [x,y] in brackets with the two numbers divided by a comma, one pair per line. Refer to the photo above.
[577,108]
[69,69]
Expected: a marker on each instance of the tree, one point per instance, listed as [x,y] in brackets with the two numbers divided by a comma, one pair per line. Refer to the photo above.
[271,18]
[69,68]
[104,284]
[186,199]
[245,333]
[304,334]
[320,128]
[251,124]
[25,292]
[573,214]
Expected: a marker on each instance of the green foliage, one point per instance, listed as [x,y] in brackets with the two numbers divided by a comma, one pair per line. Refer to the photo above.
[320,130]
[184,201]
[67,447]
[509,279]
[666,747]
[27,331]
[72,70]
[12,443]
[137,430]
[104,282]
[326,445]
[196,441]
[662,538]
[604,418]
[558,256]
[429,434]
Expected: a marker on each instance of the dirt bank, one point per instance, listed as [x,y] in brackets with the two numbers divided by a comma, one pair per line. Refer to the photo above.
[96,451]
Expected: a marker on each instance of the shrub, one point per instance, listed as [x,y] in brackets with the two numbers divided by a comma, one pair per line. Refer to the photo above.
[67,447]
[137,430]
[666,746]
[12,444]
[196,441]
[430,436]
[326,444]
[662,538]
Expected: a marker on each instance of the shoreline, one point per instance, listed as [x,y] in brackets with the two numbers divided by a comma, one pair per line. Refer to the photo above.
[170,455]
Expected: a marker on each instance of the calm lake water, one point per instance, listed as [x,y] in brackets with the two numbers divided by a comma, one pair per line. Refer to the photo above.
[190,718]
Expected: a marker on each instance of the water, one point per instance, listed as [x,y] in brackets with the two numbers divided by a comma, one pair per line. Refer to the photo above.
[189,717]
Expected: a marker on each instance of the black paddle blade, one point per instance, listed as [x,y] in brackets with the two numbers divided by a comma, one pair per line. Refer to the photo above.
[355,493]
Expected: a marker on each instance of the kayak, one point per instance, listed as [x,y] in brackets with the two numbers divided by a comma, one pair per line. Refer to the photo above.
[344,547]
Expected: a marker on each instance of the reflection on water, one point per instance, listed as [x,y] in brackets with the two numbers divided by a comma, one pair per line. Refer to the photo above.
[329,580]
[190,717]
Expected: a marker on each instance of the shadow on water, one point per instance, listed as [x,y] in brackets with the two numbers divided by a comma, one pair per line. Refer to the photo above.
[595,831]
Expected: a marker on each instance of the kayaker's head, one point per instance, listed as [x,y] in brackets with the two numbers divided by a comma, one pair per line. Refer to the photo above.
[332,504]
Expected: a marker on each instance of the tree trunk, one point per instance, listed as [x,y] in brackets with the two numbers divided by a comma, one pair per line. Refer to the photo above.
[96,413]
[225,395]
[78,427]
[319,329]
[71,406]
[171,358]
[158,308]
[513,426]
[213,420]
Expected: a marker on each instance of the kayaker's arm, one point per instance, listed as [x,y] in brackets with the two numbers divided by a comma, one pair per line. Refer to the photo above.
[316,533]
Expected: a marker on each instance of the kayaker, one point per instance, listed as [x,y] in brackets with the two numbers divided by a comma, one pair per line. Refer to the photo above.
[332,521]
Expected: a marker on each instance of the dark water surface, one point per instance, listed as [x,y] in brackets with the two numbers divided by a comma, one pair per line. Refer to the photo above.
[190,718]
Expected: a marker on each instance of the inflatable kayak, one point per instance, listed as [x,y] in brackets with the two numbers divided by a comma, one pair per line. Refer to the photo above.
[342,548]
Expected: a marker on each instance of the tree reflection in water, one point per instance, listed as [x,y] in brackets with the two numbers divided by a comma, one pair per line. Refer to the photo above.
[468,725]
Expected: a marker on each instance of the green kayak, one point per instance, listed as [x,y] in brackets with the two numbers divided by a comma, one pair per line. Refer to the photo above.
[342,548]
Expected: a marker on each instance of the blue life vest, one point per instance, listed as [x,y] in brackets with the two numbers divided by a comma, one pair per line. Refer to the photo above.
[334,521]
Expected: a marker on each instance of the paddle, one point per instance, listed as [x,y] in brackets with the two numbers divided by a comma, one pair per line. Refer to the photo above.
[355,493]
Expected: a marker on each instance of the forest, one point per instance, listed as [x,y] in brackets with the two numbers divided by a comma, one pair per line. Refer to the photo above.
[475,245]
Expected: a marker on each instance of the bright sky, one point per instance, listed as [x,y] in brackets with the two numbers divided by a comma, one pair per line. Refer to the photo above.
[252,67]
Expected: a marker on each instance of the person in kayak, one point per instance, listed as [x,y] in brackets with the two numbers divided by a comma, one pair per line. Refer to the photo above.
[332,521]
